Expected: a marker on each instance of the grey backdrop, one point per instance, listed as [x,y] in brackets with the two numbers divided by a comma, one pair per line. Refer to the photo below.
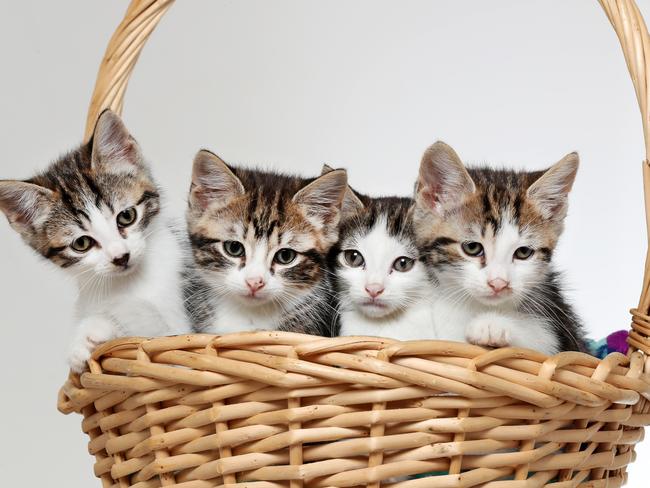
[292,84]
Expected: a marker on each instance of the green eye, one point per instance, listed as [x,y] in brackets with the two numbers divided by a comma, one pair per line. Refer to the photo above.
[83,244]
[285,256]
[127,217]
[234,249]
[403,264]
[474,249]
[353,258]
[524,253]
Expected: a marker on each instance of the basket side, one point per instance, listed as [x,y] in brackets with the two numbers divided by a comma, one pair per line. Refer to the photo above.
[284,410]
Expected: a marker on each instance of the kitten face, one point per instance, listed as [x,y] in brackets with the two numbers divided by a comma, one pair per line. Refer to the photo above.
[89,212]
[489,234]
[262,238]
[377,267]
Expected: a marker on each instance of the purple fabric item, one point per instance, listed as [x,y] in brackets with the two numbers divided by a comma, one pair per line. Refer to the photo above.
[617,342]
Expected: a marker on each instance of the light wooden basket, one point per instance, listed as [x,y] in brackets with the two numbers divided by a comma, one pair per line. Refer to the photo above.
[273,409]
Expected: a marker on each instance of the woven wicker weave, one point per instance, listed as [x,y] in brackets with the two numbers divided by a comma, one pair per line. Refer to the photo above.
[275,409]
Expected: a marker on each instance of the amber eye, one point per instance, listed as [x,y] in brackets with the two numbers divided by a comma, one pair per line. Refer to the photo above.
[83,244]
[403,264]
[234,249]
[285,256]
[524,253]
[127,217]
[353,258]
[472,248]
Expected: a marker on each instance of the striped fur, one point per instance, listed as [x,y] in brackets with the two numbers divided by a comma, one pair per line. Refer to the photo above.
[68,190]
[130,274]
[265,213]
[496,298]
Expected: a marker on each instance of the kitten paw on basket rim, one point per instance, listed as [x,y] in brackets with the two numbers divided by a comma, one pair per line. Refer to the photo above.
[488,237]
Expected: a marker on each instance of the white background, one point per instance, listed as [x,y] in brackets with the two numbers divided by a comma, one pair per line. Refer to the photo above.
[291,85]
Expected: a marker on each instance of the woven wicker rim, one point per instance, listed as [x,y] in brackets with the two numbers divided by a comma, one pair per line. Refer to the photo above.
[272,402]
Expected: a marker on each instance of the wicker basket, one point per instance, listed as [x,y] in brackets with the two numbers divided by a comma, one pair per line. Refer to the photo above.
[275,409]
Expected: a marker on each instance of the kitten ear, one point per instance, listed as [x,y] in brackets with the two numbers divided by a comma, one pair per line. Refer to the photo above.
[352,204]
[326,169]
[114,149]
[550,191]
[212,182]
[24,204]
[322,199]
[443,178]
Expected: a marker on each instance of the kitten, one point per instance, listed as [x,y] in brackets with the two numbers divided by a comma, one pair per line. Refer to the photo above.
[96,212]
[488,238]
[383,288]
[260,241]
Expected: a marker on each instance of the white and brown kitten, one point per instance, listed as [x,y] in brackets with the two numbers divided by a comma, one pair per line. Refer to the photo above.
[383,288]
[96,212]
[487,237]
[260,242]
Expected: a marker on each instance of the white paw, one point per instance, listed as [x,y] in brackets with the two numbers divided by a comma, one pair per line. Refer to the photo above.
[489,330]
[92,332]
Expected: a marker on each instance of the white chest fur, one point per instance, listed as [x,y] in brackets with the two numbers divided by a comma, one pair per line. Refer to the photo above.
[416,322]
[233,316]
[148,302]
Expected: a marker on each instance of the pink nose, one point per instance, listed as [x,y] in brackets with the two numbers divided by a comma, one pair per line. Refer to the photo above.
[498,285]
[255,284]
[374,289]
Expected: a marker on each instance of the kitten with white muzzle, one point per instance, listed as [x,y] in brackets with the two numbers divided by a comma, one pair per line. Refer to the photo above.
[260,240]
[96,213]
[487,237]
[383,288]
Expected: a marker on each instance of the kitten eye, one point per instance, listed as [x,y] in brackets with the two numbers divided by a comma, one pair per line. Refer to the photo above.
[285,256]
[127,217]
[353,258]
[403,264]
[83,244]
[472,248]
[524,252]
[234,249]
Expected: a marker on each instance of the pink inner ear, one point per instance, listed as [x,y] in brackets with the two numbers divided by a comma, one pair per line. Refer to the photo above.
[127,152]
[201,196]
[430,194]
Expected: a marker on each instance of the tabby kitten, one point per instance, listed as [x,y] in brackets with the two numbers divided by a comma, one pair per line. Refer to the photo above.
[96,212]
[260,240]
[383,288]
[487,237]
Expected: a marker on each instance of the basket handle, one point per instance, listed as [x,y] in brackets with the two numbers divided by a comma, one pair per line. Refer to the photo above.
[142,17]
[632,32]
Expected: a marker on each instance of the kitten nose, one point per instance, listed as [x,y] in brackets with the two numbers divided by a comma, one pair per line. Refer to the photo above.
[498,285]
[122,260]
[255,284]
[375,289]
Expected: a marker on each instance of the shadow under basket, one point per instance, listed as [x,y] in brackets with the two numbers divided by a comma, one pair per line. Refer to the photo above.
[276,409]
